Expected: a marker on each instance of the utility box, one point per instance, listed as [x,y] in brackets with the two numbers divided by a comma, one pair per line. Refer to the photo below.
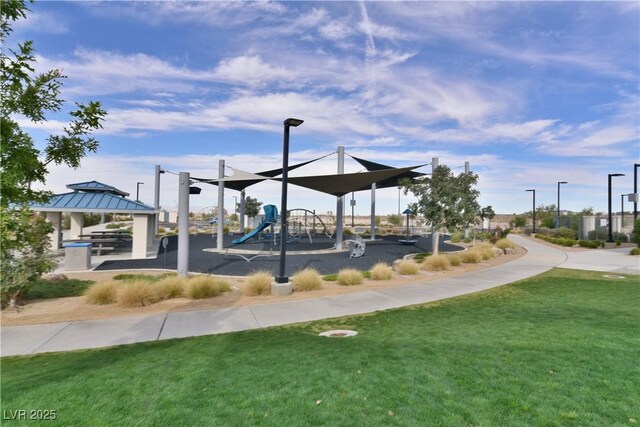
[77,256]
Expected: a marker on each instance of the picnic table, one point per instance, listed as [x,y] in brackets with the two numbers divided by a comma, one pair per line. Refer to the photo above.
[112,231]
[102,242]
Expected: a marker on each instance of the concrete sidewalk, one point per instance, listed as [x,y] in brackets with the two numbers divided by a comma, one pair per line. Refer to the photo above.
[25,340]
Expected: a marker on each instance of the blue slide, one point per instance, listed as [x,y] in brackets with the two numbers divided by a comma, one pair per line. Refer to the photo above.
[270,217]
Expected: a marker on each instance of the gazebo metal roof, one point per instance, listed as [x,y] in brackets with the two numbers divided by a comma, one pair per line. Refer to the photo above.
[93,196]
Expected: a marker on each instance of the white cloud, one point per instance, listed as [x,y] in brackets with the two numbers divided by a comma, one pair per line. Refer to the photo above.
[250,70]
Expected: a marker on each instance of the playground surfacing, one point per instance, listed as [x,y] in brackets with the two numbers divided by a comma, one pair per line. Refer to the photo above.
[300,254]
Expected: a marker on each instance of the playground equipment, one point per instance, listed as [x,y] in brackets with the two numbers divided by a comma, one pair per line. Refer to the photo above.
[303,221]
[408,239]
[270,218]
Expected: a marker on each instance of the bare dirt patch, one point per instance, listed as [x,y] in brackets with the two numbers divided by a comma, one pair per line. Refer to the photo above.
[76,308]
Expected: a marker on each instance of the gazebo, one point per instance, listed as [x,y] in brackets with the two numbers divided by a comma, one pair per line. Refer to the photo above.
[96,197]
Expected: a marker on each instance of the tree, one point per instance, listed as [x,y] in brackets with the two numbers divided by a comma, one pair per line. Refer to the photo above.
[26,94]
[394,219]
[251,207]
[487,213]
[445,200]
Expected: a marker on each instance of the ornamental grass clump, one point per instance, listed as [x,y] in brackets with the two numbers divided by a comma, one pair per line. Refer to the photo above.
[350,277]
[471,256]
[504,244]
[170,287]
[438,262]
[454,260]
[101,293]
[200,287]
[136,294]
[381,271]
[408,267]
[258,283]
[486,250]
[306,280]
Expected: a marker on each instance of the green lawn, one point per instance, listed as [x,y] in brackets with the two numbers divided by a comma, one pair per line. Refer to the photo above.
[559,349]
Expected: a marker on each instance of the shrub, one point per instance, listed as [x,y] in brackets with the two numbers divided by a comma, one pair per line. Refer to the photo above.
[471,256]
[485,250]
[408,267]
[437,263]
[170,287]
[565,232]
[454,260]
[350,277]
[421,256]
[457,237]
[504,244]
[306,280]
[330,277]
[635,251]
[593,244]
[101,293]
[381,271]
[258,283]
[136,294]
[200,287]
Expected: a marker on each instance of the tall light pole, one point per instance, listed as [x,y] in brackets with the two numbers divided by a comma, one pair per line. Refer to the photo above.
[138,184]
[635,192]
[534,209]
[610,219]
[559,182]
[290,122]
[156,196]
[622,210]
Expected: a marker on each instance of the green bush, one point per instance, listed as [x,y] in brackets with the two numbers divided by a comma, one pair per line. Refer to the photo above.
[113,225]
[330,277]
[457,237]
[635,251]
[593,244]
[564,232]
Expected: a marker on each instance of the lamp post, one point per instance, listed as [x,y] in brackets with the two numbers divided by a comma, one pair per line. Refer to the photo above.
[156,196]
[290,122]
[610,219]
[635,192]
[534,209]
[622,210]
[559,182]
[138,190]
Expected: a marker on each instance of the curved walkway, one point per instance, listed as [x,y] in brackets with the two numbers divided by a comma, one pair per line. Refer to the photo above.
[66,336]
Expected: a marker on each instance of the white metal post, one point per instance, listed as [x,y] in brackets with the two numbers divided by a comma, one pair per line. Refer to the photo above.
[183,224]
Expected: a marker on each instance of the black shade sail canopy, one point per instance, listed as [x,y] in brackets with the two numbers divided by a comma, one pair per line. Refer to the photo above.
[390,182]
[241,179]
[341,184]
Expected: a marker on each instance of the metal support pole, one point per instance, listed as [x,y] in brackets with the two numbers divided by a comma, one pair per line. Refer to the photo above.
[220,240]
[281,277]
[340,202]
[534,209]
[373,211]
[635,191]
[183,224]
[621,211]
[156,197]
[610,224]
[242,211]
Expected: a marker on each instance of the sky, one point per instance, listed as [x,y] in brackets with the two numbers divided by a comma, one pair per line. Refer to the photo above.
[529,93]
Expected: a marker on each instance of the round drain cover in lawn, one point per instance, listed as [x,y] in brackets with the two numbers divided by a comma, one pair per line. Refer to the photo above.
[339,333]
